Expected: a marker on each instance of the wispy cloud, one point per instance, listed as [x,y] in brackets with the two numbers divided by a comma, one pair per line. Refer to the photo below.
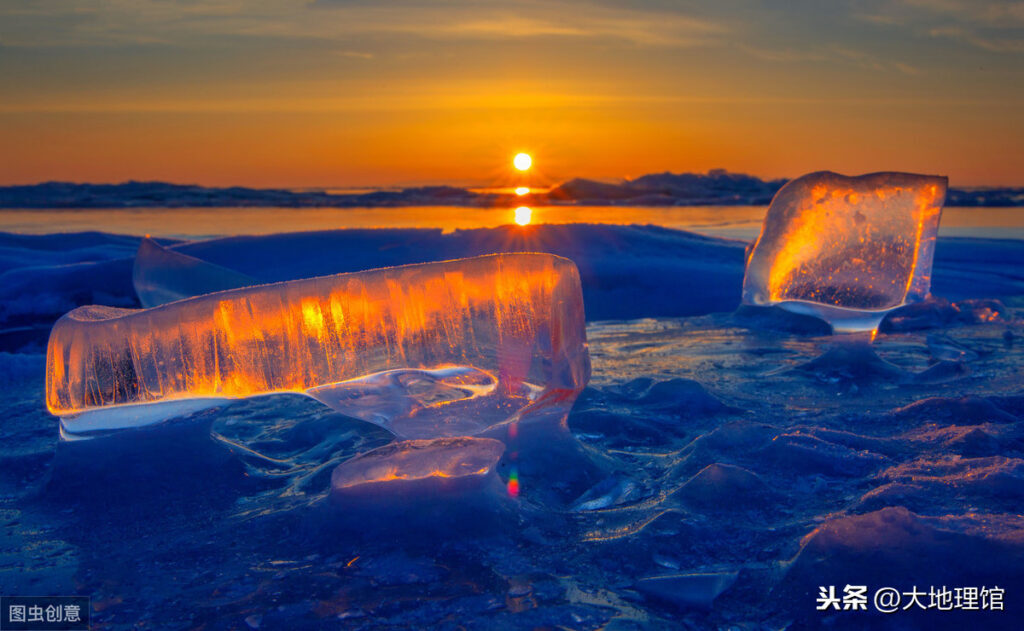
[873,62]
[831,54]
[354,54]
[98,22]
[784,55]
[992,42]
[989,25]
[490,20]
[1003,14]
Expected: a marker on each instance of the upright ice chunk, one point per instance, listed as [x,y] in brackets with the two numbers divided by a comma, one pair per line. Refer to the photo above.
[847,249]
[161,275]
[430,350]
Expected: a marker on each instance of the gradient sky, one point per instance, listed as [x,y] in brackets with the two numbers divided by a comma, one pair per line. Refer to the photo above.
[366,93]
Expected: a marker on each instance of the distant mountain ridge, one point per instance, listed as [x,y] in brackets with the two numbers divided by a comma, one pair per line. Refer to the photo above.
[716,187]
[165,195]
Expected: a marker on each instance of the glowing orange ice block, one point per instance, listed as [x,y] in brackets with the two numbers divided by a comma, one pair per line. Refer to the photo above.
[429,350]
[847,249]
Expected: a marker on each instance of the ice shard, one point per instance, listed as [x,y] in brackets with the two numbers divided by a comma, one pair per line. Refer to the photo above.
[418,468]
[847,249]
[426,351]
[161,275]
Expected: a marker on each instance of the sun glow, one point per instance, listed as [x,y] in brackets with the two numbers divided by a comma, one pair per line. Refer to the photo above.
[522,190]
[523,215]
[522,161]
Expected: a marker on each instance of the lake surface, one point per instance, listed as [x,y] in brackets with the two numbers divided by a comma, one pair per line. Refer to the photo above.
[734,222]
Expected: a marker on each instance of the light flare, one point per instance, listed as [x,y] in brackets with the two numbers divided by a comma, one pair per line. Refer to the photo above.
[513,482]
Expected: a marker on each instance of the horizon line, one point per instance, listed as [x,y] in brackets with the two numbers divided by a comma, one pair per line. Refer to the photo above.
[463,185]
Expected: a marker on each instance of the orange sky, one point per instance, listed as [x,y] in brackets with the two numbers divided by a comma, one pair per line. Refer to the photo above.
[346,93]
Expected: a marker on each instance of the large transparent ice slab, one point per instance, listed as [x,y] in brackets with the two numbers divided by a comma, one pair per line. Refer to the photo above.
[161,275]
[847,249]
[437,349]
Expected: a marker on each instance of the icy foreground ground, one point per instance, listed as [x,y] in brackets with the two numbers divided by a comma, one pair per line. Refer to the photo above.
[723,489]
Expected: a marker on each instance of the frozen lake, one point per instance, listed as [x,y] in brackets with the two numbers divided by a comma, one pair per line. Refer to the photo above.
[733,222]
[708,478]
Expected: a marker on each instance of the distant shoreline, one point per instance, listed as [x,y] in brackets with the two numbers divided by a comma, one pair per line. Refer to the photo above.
[715,188]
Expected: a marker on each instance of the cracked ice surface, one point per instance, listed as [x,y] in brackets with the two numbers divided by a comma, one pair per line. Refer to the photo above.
[847,249]
[428,350]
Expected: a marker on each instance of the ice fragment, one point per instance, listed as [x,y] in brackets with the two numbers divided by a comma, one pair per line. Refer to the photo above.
[161,275]
[847,249]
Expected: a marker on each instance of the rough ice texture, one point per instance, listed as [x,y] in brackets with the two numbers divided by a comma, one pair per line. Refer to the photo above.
[847,249]
[161,275]
[688,590]
[465,341]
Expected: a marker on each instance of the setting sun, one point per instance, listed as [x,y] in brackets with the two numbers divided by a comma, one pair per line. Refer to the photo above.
[522,161]
[522,190]
[523,215]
